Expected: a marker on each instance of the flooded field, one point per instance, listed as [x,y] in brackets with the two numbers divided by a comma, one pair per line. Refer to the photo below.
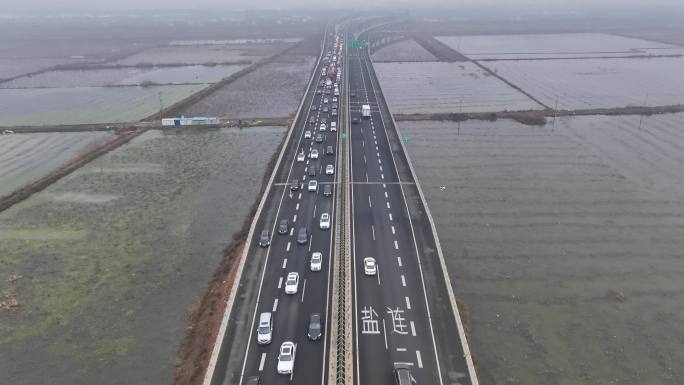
[435,87]
[564,244]
[597,83]
[125,76]
[82,105]
[555,45]
[273,90]
[25,158]
[205,53]
[104,262]
[403,51]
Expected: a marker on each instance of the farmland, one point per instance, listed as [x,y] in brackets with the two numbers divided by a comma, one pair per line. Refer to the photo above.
[564,244]
[273,90]
[124,76]
[106,260]
[83,105]
[27,157]
[555,46]
[200,54]
[434,87]
[403,51]
[596,83]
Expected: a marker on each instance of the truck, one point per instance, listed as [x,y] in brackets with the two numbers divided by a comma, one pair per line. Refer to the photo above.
[331,71]
[365,111]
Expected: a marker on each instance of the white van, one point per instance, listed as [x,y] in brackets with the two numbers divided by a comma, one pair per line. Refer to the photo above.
[265,329]
[333,126]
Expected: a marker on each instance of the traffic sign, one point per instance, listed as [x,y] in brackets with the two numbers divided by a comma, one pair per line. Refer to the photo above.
[356,43]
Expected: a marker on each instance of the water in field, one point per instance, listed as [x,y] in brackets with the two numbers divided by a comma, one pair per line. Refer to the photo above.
[565,244]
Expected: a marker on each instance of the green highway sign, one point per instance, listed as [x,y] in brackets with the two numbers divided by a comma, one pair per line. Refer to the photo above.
[344,135]
[405,138]
[356,43]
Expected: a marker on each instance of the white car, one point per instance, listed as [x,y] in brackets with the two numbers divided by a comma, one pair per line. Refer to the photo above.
[325,100]
[333,126]
[369,266]
[329,169]
[323,127]
[307,134]
[286,358]
[300,157]
[313,154]
[316,261]
[325,221]
[292,283]
[335,99]
[313,185]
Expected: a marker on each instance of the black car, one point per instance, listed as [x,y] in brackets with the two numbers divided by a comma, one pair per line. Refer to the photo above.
[315,329]
[327,190]
[334,113]
[355,120]
[294,186]
[329,150]
[302,236]
[283,227]
[319,138]
[314,107]
[352,94]
[325,109]
[402,374]
[254,380]
[324,120]
[312,171]
[264,238]
[318,92]
[312,120]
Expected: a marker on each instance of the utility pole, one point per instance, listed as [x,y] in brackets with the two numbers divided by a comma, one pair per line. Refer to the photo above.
[641,116]
[555,111]
[460,116]
[161,106]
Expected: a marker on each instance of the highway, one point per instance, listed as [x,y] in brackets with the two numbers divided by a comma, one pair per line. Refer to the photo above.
[402,314]
[263,280]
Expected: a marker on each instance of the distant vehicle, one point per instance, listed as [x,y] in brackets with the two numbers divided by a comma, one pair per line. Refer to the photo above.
[313,185]
[329,169]
[315,329]
[264,238]
[322,127]
[334,112]
[325,221]
[329,150]
[334,99]
[331,71]
[307,134]
[369,266]
[265,329]
[325,109]
[355,120]
[283,226]
[327,190]
[336,92]
[365,111]
[316,261]
[352,94]
[292,283]
[325,100]
[300,157]
[318,92]
[333,126]
[313,154]
[402,374]
[324,119]
[312,120]
[312,171]
[328,82]
[319,138]
[286,358]
[314,107]
[327,92]
[294,186]
[254,380]
[302,236]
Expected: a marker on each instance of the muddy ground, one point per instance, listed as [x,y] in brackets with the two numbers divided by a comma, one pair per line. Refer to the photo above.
[565,245]
[98,270]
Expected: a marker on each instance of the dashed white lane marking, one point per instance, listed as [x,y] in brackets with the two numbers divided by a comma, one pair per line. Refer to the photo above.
[419,359]
[300,196]
[401,349]
[386,196]
[377,149]
[375,141]
[384,185]
[413,329]
[399,261]
[297,207]
[396,245]
[378,154]
[379,160]
[280,282]
[275,305]
[369,202]
[314,213]
[294,218]
[384,331]
[288,246]
[393,231]
[388,205]
[380,168]
[307,162]
[261,363]
[408,303]
[366,177]
[364,159]
[373,230]
[284,263]
[382,176]
[303,290]
[390,216]
[403,280]
[310,241]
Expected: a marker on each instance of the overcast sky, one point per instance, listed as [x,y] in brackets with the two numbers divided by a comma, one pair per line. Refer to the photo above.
[251,4]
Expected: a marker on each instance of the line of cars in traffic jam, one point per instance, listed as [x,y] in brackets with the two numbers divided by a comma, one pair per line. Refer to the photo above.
[329,88]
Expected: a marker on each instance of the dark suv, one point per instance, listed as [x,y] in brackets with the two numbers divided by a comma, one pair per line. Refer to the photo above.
[284,227]
[264,238]
[402,374]
[315,329]
[302,236]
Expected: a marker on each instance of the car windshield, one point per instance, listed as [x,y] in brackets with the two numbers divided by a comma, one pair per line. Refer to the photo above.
[264,329]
